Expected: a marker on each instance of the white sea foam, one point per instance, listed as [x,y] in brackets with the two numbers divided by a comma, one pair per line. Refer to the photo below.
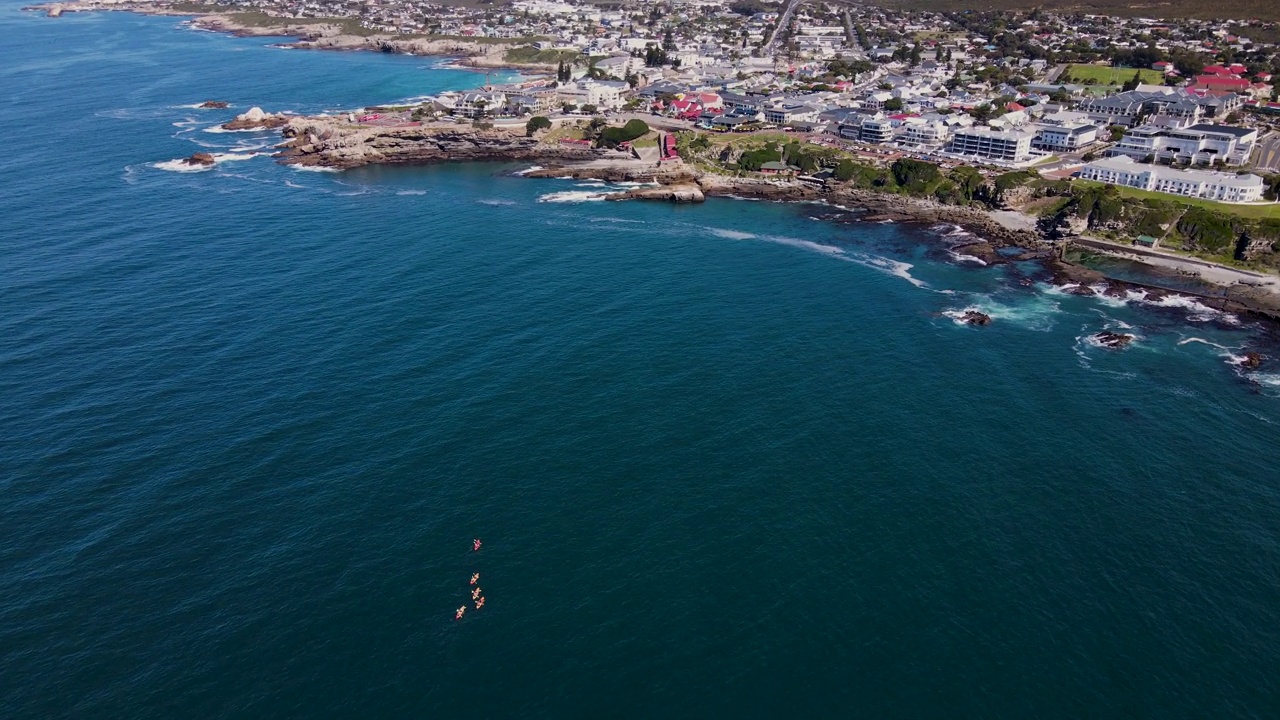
[886,265]
[731,234]
[314,168]
[532,168]
[1267,379]
[1037,313]
[233,156]
[496,203]
[180,166]
[219,130]
[572,196]
[591,184]
[617,221]
[411,192]
[961,257]
[896,268]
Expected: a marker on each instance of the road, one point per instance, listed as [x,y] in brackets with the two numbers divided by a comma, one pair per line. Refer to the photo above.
[1269,153]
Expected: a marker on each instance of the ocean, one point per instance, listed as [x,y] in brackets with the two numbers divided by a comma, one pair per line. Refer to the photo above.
[735,459]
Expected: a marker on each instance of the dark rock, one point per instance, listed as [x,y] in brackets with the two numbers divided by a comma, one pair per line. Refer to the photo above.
[1252,360]
[215,105]
[973,317]
[1113,340]
[1081,290]
[200,158]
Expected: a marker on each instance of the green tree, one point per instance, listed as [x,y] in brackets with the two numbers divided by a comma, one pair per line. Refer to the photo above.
[1132,83]
[893,104]
[535,124]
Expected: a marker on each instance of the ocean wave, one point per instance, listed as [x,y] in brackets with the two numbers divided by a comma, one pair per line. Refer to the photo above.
[411,192]
[572,196]
[314,168]
[531,168]
[896,268]
[1196,310]
[496,203]
[1267,379]
[961,257]
[731,234]
[617,221]
[180,166]
[1038,313]
[219,130]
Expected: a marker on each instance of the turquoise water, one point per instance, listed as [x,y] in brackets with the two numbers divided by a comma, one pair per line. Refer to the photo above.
[732,458]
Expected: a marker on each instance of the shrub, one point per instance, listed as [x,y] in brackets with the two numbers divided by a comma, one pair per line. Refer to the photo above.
[632,130]
[535,124]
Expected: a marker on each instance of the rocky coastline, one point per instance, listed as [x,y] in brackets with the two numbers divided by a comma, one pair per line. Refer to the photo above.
[342,144]
[315,35]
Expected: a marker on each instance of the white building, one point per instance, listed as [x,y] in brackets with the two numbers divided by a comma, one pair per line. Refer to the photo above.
[1195,145]
[1004,145]
[1065,138]
[920,132]
[602,94]
[1208,184]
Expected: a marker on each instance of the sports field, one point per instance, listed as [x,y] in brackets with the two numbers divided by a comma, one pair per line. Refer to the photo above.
[1100,75]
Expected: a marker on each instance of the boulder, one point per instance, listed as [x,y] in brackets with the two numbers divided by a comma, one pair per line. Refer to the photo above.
[255,119]
[1252,360]
[1113,340]
[202,159]
[973,317]
[214,105]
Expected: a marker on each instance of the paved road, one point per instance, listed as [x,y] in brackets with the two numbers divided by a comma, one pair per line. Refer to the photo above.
[1269,153]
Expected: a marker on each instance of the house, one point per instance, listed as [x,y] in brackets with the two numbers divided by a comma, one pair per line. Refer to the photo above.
[777,168]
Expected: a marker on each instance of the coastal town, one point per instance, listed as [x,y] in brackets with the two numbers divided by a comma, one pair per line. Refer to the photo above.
[1156,134]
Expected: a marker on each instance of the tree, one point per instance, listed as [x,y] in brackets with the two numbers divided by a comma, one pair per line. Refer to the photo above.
[982,113]
[668,40]
[1132,83]
[568,107]
[535,124]
[632,130]
[893,104]
[845,170]
[589,109]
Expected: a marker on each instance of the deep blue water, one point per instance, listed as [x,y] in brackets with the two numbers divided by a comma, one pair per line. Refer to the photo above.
[731,459]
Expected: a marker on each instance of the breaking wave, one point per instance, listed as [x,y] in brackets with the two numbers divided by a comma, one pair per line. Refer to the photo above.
[572,196]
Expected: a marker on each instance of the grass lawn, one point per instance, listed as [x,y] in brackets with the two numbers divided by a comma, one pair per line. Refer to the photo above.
[1099,75]
[1258,211]
[531,54]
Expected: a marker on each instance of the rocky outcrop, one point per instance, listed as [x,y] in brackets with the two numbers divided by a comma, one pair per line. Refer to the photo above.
[1251,361]
[200,159]
[214,105]
[974,317]
[256,119]
[336,143]
[1113,340]
[677,193]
